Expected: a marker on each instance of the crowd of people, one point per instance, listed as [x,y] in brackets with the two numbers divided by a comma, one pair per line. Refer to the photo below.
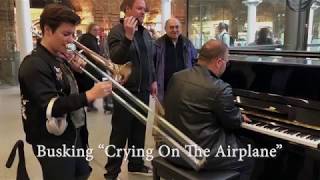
[55,90]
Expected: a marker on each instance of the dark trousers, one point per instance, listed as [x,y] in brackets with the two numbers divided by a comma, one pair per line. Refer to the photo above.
[125,127]
[108,103]
[245,167]
[63,168]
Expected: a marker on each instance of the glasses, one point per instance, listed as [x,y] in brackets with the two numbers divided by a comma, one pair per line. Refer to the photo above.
[226,61]
[174,27]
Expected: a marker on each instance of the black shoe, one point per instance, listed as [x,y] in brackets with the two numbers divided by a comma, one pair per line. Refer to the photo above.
[146,171]
[107,112]
[107,178]
[110,178]
[92,109]
[108,109]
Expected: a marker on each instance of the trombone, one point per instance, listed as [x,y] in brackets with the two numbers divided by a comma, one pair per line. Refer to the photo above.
[119,72]
[195,156]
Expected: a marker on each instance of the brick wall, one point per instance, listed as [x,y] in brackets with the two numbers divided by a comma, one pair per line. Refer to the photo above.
[8,55]
[106,12]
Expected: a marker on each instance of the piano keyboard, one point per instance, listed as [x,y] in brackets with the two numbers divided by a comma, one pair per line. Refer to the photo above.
[283,133]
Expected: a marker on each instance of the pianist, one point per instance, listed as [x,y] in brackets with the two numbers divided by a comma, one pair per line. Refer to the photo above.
[201,105]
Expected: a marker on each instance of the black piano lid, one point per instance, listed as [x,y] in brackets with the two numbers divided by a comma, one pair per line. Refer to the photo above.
[277,60]
[281,53]
[276,98]
[287,80]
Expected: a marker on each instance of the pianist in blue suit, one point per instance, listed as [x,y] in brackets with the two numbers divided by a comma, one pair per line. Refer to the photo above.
[201,105]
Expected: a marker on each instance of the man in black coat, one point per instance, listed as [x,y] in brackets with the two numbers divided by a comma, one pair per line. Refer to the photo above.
[130,41]
[90,40]
[201,105]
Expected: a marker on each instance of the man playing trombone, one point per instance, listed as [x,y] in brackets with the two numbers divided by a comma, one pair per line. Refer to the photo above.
[52,107]
[130,41]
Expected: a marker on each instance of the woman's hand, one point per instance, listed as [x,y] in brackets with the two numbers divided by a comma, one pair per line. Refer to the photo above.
[74,60]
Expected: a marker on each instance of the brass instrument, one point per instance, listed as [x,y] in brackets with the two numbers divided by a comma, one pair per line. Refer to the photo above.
[194,155]
[119,72]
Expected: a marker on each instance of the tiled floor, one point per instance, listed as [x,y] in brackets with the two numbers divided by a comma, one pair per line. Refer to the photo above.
[11,130]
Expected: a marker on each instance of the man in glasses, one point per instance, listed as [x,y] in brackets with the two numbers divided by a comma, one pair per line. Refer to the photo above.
[201,105]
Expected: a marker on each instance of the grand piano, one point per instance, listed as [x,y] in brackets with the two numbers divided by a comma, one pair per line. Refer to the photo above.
[280,93]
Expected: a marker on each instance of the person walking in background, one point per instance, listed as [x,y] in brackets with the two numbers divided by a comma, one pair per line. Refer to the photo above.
[223,34]
[90,40]
[264,37]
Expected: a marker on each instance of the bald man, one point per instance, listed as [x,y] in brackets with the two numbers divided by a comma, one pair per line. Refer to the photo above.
[201,105]
[174,52]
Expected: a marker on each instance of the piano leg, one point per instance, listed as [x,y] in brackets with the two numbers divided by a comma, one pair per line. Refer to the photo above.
[288,165]
[317,170]
[294,166]
[267,169]
[311,169]
[293,162]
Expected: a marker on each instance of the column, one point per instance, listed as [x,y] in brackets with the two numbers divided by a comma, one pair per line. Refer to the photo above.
[252,19]
[310,24]
[165,12]
[296,29]
[24,32]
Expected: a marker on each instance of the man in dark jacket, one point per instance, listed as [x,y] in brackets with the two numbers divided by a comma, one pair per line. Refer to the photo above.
[90,40]
[130,41]
[174,52]
[201,105]
[52,107]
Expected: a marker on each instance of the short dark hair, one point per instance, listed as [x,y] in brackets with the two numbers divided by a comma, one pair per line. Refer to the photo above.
[129,3]
[212,49]
[90,27]
[125,4]
[55,14]
[222,26]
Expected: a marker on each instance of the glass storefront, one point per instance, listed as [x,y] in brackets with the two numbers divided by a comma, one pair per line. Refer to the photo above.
[267,29]
[9,56]
[314,31]
[247,22]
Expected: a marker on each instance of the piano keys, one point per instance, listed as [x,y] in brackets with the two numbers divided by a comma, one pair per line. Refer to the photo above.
[281,132]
